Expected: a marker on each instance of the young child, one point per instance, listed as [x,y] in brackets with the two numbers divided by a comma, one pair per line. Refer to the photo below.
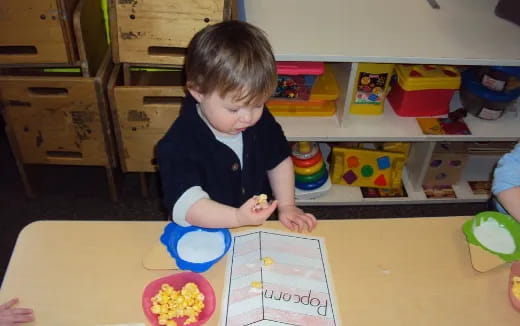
[506,183]
[10,316]
[225,148]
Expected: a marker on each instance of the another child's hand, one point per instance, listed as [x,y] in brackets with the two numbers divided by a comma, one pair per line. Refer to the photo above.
[250,213]
[10,316]
[295,218]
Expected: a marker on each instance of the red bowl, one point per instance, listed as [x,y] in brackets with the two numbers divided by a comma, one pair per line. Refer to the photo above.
[515,271]
[177,281]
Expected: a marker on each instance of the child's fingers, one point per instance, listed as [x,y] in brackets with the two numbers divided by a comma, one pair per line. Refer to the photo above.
[305,220]
[250,202]
[22,311]
[310,220]
[287,223]
[272,206]
[266,212]
[299,223]
[9,304]
[22,315]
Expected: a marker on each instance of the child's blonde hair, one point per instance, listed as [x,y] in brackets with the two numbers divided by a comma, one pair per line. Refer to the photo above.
[232,57]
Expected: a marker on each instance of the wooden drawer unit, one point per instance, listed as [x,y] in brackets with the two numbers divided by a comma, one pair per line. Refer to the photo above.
[39,31]
[57,119]
[158,31]
[142,112]
[53,33]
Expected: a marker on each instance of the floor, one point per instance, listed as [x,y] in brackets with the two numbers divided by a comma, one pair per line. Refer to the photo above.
[80,193]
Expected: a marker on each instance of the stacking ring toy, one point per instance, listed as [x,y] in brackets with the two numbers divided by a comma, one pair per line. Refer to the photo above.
[309,170]
[308,162]
[313,185]
[312,177]
[304,156]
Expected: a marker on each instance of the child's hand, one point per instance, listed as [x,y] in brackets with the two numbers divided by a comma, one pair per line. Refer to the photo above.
[294,218]
[10,316]
[250,213]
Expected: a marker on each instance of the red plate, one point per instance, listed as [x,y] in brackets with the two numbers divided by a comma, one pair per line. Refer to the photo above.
[177,281]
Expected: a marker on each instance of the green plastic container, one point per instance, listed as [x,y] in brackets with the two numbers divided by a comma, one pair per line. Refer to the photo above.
[504,221]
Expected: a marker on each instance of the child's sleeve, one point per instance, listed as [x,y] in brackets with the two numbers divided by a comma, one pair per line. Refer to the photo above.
[183,204]
[178,173]
[507,172]
[277,148]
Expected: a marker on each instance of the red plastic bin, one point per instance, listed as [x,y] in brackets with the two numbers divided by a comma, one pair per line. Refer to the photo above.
[423,103]
[423,90]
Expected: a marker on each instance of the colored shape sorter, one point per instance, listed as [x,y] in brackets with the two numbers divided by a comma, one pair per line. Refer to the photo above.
[367,168]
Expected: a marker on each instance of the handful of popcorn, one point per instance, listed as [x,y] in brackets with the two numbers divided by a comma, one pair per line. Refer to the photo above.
[261,202]
[169,303]
[515,287]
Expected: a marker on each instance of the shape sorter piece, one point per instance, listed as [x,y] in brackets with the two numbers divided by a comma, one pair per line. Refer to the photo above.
[352,162]
[350,177]
[383,162]
[380,181]
[366,168]
[367,171]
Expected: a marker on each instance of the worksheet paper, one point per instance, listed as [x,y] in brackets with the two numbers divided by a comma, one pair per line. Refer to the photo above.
[296,289]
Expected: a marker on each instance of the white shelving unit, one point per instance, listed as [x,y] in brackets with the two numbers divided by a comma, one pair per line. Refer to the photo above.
[461,32]
[341,195]
[346,32]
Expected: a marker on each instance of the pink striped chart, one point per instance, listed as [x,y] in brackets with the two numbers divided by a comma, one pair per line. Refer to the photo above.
[296,289]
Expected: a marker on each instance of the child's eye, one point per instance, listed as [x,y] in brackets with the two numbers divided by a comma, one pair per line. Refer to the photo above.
[233,110]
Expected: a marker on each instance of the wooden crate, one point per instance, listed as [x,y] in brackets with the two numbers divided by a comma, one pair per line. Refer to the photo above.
[58,119]
[158,31]
[68,33]
[143,109]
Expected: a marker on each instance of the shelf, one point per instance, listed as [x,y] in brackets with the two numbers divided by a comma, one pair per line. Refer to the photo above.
[406,31]
[347,195]
[391,127]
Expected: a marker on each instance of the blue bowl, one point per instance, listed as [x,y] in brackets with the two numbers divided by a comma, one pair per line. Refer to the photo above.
[174,232]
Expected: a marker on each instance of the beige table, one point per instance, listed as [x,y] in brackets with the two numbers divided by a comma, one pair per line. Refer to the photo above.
[386,272]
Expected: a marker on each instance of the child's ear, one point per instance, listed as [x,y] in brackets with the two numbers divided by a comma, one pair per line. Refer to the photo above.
[198,96]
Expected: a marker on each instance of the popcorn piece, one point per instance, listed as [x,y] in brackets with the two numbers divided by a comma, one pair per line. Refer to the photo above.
[256,285]
[262,198]
[267,261]
[169,303]
[261,202]
[516,287]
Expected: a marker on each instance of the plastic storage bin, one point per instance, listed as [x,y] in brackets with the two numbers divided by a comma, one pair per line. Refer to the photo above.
[423,90]
[301,108]
[321,100]
[326,87]
[482,102]
[371,87]
[500,78]
[296,79]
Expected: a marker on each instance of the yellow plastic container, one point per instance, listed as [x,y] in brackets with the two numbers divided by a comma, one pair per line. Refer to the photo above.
[294,108]
[367,168]
[369,93]
[326,87]
[421,77]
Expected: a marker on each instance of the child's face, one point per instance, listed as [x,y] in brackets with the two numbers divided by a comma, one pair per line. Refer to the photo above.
[225,114]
